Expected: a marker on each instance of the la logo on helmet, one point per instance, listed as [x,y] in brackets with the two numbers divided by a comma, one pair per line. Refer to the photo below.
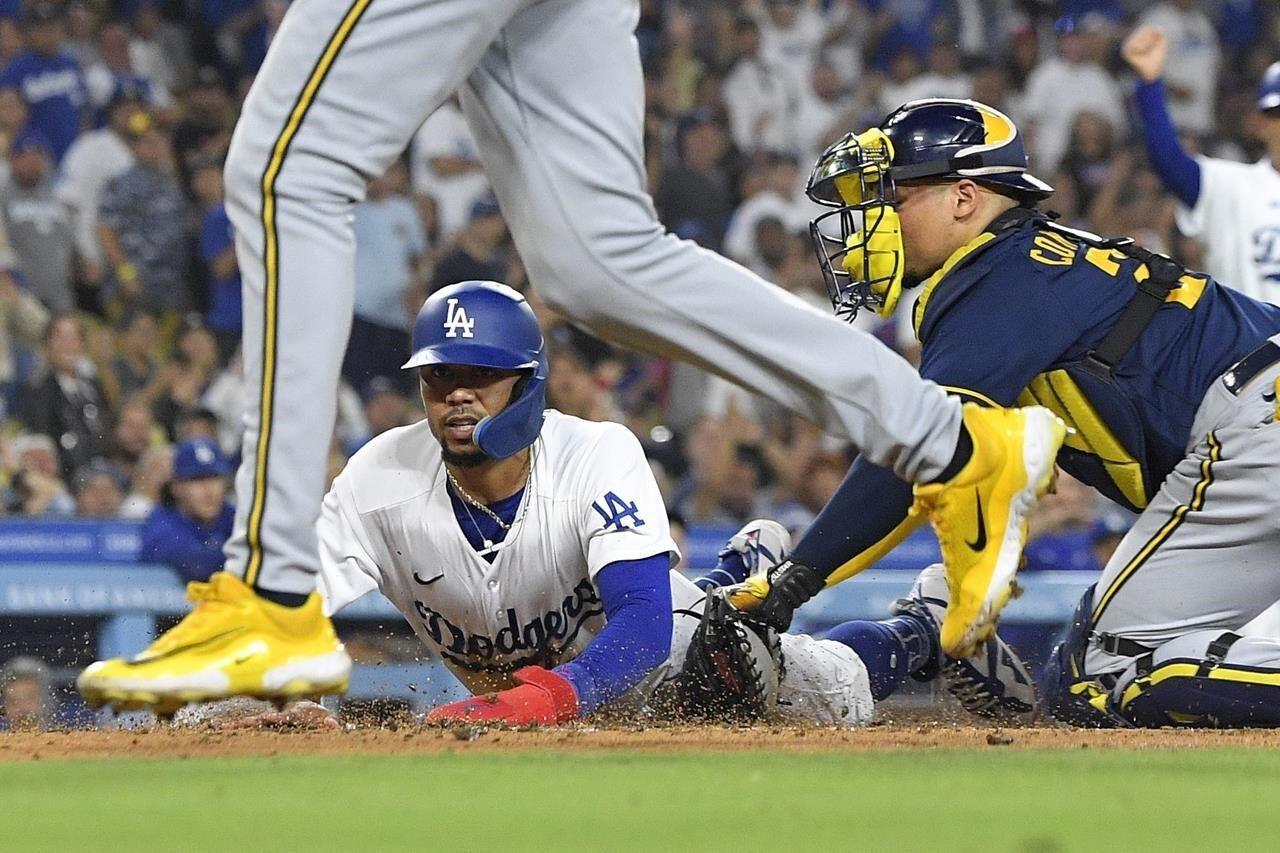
[456,319]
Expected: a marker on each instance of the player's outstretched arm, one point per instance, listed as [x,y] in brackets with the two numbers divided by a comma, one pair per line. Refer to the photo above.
[636,595]
[864,520]
[1145,50]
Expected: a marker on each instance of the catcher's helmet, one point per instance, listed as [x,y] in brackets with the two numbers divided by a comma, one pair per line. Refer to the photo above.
[927,141]
[487,324]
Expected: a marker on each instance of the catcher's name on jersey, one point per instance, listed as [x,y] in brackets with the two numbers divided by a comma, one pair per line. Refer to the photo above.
[387,523]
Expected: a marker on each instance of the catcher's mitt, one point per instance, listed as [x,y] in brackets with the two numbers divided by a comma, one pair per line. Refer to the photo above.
[732,668]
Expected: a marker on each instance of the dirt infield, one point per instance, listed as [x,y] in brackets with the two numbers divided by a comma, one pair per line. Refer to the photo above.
[164,742]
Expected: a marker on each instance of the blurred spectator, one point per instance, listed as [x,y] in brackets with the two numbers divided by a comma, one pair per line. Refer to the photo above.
[781,199]
[133,370]
[901,25]
[760,96]
[132,437]
[204,133]
[150,476]
[389,247]
[13,121]
[1059,89]
[48,77]
[216,245]
[1089,159]
[579,383]
[22,323]
[93,160]
[26,702]
[159,50]
[479,249]
[112,73]
[39,224]
[195,422]
[1191,73]
[824,113]
[225,397]
[142,228]
[36,487]
[187,376]
[188,532]
[943,78]
[67,403]
[694,199]
[98,490]
[445,166]
[384,406]
[791,32]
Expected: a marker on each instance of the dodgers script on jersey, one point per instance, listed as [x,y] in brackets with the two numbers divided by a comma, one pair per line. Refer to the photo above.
[1237,220]
[591,500]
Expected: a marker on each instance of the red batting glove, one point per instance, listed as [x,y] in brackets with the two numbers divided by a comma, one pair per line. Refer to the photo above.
[543,698]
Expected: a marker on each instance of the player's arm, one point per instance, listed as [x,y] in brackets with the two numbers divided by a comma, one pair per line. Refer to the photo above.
[347,568]
[627,543]
[1145,51]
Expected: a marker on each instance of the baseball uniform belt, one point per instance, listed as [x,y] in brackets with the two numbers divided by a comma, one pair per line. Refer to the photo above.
[1244,370]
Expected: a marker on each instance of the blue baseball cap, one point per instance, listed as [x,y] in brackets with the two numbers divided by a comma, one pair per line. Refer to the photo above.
[197,458]
[30,139]
[1269,88]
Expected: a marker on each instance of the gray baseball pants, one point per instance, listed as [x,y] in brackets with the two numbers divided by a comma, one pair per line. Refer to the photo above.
[554,92]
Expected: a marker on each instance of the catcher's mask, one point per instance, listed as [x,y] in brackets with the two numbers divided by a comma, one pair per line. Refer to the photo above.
[859,243]
[487,324]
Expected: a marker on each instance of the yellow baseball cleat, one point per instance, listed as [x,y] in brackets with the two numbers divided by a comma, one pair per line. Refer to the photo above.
[234,643]
[980,515]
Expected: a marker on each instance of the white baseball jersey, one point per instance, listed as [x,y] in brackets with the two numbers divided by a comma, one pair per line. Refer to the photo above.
[591,500]
[1237,220]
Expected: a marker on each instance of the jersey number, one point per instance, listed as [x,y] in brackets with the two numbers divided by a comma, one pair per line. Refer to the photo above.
[618,510]
[1057,251]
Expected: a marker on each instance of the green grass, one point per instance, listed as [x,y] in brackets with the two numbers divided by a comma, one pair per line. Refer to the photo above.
[910,800]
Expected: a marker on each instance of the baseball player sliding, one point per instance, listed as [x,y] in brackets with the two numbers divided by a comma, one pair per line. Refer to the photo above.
[1169,378]
[553,91]
[1232,208]
[543,579]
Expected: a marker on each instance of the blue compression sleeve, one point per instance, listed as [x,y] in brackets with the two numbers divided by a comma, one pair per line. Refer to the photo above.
[1177,169]
[637,634]
[872,495]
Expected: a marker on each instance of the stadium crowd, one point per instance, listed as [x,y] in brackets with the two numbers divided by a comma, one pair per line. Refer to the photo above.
[120,295]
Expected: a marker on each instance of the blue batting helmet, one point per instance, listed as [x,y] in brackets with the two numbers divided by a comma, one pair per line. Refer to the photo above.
[1269,88]
[487,324]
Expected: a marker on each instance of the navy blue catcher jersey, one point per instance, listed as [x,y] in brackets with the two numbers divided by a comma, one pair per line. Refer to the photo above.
[1010,316]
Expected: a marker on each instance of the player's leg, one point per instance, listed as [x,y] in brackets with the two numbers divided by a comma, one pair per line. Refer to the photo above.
[993,683]
[1202,560]
[344,86]
[1206,678]
[557,109]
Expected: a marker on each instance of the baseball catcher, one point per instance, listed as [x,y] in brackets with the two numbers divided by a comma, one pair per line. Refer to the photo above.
[1168,378]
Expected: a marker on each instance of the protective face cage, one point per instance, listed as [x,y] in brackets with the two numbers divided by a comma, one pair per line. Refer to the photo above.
[853,176]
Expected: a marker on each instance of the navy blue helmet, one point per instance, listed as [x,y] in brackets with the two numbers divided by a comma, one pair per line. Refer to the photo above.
[927,141]
[487,324]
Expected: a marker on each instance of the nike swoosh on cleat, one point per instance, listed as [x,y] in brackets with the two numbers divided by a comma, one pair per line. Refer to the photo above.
[425,581]
[980,541]
[139,661]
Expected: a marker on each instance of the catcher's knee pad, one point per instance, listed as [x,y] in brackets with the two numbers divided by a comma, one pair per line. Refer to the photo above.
[1207,678]
[823,682]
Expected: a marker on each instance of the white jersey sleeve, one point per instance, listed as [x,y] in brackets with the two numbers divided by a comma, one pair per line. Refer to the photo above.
[1236,219]
[347,568]
[623,514]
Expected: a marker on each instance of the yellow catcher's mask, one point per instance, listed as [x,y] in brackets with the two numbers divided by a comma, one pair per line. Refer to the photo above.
[859,244]
[875,257]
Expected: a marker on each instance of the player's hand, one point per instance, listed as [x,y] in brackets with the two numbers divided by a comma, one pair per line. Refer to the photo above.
[301,716]
[773,596]
[543,698]
[1146,49]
